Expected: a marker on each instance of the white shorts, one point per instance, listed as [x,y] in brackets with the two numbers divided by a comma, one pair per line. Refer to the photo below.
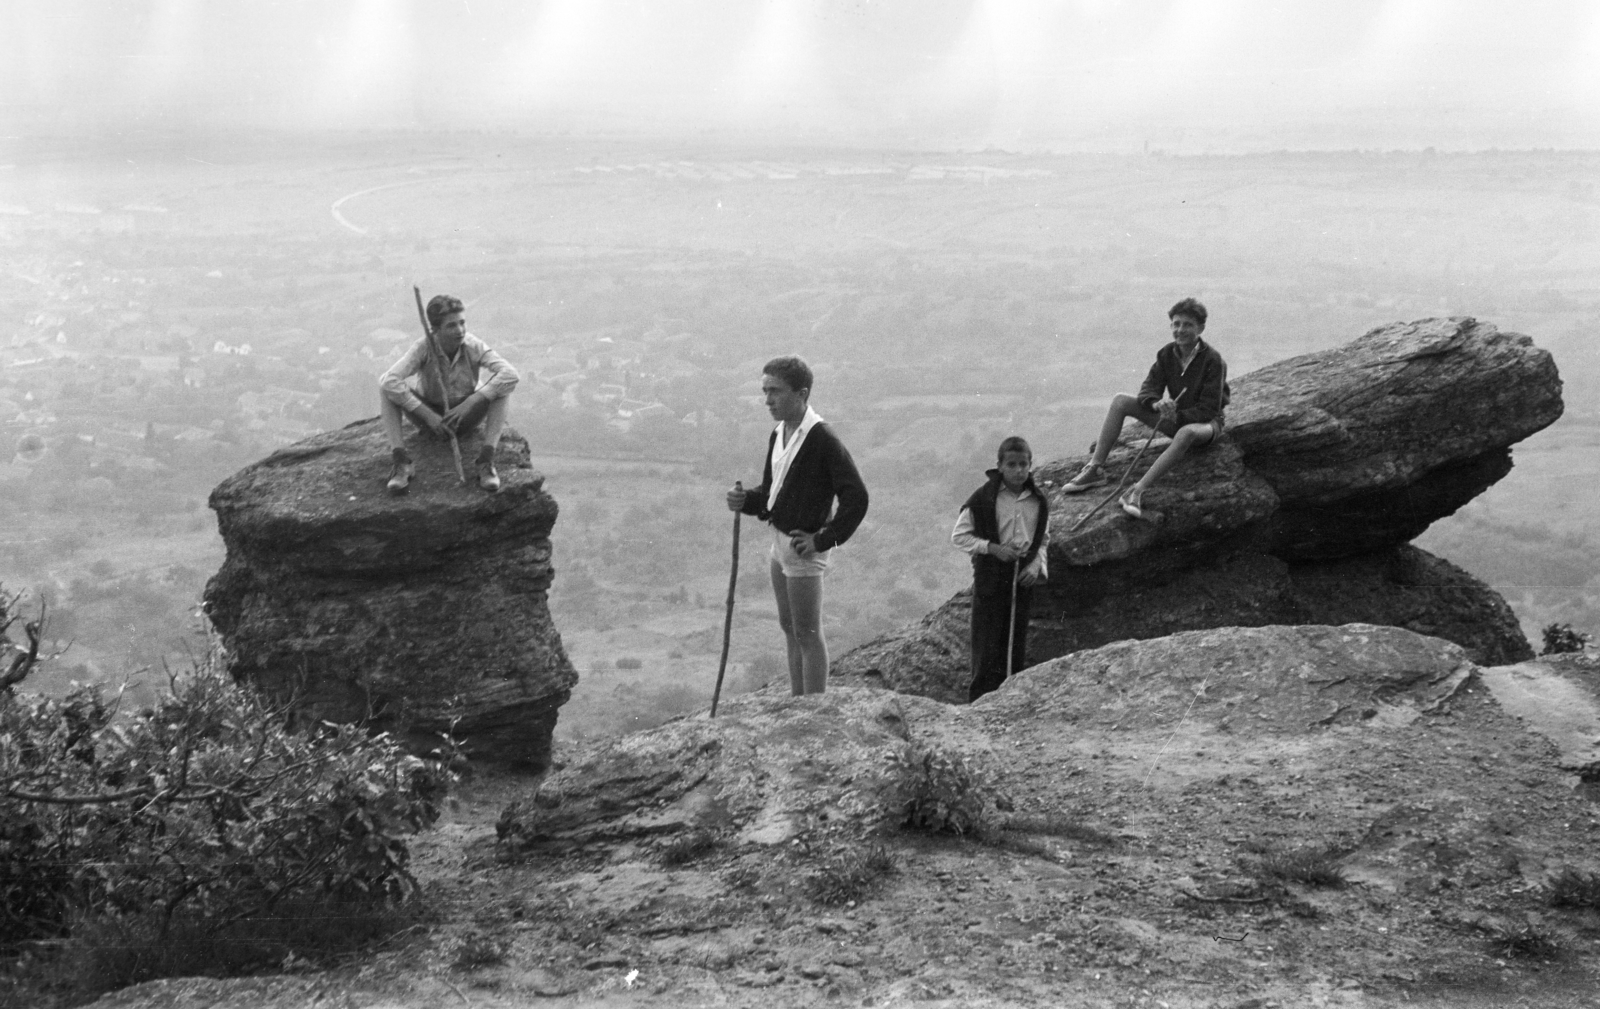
[793,565]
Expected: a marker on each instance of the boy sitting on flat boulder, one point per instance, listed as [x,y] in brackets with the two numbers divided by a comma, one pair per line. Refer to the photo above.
[1194,376]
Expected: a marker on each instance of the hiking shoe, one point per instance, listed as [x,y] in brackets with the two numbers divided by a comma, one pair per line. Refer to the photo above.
[488,479]
[400,476]
[1132,502]
[1092,475]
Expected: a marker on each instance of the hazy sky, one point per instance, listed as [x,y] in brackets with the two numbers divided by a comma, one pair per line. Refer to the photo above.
[1023,74]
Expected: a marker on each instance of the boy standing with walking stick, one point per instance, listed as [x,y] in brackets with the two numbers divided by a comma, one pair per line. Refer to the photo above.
[1005,527]
[807,469]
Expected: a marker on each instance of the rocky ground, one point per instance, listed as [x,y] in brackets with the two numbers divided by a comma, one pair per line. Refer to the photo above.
[1173,803]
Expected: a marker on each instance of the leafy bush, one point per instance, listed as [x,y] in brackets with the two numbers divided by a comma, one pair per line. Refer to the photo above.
[1559,638]
[941,792]
[199,816]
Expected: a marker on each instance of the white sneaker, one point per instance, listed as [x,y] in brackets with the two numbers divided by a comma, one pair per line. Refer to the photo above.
[1132,502]
[1092,475]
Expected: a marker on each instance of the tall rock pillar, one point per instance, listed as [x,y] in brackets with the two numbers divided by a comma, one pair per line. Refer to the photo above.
[415,613]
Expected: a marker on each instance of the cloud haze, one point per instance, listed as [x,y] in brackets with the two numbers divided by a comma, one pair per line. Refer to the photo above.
[1011,73]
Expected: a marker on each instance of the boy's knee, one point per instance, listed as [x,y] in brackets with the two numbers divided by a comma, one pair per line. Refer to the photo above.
[1124,403]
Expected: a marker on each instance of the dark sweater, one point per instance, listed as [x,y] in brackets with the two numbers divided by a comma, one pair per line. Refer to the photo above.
[822,470]
[990,574]
[1204,386]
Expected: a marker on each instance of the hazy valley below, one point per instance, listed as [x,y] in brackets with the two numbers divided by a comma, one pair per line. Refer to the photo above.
[174,310]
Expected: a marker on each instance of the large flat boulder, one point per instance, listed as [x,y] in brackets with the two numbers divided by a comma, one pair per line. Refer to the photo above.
[414,613]
[1301,513]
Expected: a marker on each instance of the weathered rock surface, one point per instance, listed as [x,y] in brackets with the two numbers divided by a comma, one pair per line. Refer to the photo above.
[1301,514]
[416,612]
[766,770]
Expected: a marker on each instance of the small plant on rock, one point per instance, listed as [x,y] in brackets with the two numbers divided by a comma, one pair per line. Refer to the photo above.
[1308,866]
[1574,889]
[686,848]
[1527,942]
[934,790]
[850,875]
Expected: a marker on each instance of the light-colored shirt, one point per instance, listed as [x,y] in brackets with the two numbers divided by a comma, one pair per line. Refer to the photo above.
[1015,516]
[783,454]
[462,374]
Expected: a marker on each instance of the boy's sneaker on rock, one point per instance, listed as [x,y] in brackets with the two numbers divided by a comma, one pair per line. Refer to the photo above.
[488,479]
[1133,502]
[400,476]
[1090,476]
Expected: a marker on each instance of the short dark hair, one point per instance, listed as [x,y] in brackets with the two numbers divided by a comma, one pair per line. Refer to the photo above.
[441,306]
[792,371]
[1190,307]
[1015,443]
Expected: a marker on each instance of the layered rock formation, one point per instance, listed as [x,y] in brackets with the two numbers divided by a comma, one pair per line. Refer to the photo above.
[416,613]
[1301,514]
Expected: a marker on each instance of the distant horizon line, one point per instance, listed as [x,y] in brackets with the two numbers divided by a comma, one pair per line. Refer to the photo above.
[114,137]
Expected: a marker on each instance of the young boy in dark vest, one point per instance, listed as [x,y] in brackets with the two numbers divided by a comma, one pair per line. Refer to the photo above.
[1005,527]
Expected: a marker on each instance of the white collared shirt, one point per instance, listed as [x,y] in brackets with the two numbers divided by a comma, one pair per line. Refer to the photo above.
[783,455]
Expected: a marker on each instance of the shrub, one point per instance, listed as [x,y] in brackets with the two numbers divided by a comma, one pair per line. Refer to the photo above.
[938,791]
[1559,638]
[198,817]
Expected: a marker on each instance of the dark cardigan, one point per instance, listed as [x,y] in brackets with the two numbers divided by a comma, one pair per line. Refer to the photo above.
[821,471]
[989,574]
[1205,383]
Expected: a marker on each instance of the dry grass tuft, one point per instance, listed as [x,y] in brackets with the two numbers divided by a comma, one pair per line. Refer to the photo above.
[851,875]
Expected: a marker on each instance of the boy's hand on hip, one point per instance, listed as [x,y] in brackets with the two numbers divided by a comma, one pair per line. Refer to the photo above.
[804,544]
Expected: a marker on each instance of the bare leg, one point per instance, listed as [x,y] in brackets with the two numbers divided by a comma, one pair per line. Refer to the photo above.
[805,611]
[1122,407]
[780,591]
[389,416]
[1189,436]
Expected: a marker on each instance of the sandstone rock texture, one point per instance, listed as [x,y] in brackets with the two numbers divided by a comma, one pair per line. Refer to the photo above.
[415,612]
[1301,513]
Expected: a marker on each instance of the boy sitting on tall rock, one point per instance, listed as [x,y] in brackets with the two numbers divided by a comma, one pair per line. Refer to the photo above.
[1183,396]
[465,358]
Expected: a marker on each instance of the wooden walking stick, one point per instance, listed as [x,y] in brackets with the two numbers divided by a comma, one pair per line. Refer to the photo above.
[438,372]
[1011,626]
[727,621]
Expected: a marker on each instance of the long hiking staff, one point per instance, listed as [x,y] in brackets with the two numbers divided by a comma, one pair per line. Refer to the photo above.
[727,620]
[1011,625]
[437,358]
[1125,474]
